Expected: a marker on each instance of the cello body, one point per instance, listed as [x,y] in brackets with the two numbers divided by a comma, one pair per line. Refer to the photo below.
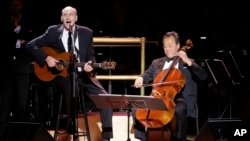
[166,92]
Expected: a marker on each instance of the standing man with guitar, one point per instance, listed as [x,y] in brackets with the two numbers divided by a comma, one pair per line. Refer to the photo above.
[56,37]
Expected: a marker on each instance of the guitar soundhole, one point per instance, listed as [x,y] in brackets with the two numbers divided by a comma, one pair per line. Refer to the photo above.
[58,69]
[60,65]
[55,71]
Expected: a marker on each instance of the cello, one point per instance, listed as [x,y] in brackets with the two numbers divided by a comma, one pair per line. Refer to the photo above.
[166,85]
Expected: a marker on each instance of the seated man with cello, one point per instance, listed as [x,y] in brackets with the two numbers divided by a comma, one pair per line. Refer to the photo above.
[173,78]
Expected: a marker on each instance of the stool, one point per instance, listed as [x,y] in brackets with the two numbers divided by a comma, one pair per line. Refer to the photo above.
[81,101]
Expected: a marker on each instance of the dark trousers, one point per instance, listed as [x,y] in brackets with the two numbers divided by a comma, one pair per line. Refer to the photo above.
[181,120]
[64,85]
[22,110]
[7,87]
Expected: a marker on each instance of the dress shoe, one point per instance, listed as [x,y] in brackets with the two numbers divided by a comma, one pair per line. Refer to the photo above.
[105,139]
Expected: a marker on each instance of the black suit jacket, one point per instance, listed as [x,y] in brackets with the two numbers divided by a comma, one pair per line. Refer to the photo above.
[189,91]
[53,38]
[22,58]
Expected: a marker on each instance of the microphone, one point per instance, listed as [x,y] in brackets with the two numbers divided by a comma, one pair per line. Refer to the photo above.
[71,27]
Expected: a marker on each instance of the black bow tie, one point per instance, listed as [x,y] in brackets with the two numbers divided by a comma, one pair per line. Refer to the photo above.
[169,59]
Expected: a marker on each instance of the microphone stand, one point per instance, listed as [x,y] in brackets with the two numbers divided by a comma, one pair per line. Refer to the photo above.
[73,67]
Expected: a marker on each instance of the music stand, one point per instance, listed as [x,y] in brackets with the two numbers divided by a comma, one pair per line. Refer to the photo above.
[116,101]
[221,76]
[234,65]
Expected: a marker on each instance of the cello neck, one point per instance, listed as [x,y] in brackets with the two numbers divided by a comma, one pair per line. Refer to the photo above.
[176,59]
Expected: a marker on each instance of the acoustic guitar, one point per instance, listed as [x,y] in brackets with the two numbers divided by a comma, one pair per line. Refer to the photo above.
[46,73]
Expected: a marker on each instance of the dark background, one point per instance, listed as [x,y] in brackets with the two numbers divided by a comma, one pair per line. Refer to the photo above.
[222,23]
[225,26]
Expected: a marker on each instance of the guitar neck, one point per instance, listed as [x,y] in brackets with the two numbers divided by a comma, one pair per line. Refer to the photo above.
[97,65]
[104,65]
[81,64]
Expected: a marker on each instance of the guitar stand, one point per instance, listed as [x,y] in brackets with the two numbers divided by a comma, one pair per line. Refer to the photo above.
[128,102]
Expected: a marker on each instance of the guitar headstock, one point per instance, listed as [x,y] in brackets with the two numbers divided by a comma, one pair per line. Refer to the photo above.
[108,65]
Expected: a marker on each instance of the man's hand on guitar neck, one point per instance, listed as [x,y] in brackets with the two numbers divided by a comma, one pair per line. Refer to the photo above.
[88,67]
[51,61]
